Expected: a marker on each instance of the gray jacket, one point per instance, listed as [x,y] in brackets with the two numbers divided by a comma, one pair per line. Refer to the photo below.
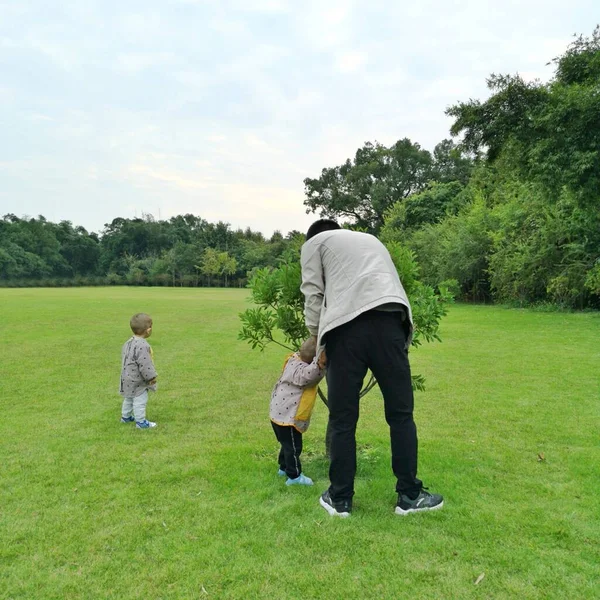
[344,274]
[137,368]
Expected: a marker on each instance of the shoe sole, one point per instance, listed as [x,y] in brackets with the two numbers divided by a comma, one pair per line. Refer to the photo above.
[332,511]
[289,483]
[403,513]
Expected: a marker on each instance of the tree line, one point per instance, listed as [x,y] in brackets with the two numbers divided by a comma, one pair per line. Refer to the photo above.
[185,250]
[508,213]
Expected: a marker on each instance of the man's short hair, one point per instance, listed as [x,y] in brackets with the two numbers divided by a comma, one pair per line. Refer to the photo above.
[140,322]
[308,350]
[320,226]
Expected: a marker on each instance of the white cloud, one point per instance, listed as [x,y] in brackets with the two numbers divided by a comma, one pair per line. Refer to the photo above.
[37,117]
[216,138]
[263,6]
[349,62]
[134,62]
[223,107]
[228,26]
[145,176]
[142,26]
[56,51]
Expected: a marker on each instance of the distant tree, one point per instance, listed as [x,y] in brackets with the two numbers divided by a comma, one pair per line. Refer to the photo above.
[34,248]
[451,164]
[550,132]
[80,249]
[210,264]
[363,189]
[140,251]
[228,265]
[431,205]
[542,143]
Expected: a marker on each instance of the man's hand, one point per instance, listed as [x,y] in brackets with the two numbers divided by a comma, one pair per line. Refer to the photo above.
[152,381]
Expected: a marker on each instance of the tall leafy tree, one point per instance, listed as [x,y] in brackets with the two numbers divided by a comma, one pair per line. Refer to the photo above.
[549,132]
[228,265]
[431,205]
[364,188]
[543,140]
[33,248]
[450,163]
[210,264]
[79,248]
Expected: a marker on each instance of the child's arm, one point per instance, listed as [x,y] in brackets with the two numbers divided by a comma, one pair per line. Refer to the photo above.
[307,375]
[146,365]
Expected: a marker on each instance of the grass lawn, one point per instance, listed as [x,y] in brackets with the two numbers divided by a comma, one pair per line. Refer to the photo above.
[90,508]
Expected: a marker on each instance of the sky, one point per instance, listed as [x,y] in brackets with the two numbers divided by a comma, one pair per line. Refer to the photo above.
[221,108]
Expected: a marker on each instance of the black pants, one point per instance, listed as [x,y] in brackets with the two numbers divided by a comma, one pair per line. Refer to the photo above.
[374,340]
[291,448]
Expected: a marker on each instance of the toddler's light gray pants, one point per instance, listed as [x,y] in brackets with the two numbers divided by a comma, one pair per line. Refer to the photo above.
[137,406]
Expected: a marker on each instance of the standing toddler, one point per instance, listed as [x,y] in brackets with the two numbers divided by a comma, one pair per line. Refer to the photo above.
[292,402]
[138,374]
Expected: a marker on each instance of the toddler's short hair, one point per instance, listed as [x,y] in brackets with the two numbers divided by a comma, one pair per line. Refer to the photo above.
[140,322]
[308,350]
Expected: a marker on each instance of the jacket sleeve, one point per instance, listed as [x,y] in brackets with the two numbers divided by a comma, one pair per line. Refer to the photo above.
[305,375]
[145,363]
[313,286]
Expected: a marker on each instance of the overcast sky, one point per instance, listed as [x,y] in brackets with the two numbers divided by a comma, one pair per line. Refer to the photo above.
[222,107]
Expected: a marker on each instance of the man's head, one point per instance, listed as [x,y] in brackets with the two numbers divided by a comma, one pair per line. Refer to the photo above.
[308,350]
[141,324]
[320,226]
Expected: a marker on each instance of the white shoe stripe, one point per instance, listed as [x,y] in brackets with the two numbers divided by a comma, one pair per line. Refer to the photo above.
[332,511]
[400,511]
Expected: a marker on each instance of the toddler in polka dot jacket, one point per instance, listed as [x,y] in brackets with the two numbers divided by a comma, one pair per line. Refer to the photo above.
[292,403]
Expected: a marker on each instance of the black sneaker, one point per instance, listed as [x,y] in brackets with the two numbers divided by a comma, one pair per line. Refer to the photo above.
[335,509]
[424,501]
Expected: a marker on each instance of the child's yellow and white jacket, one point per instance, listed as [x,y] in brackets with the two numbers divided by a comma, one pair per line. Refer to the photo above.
[294,395]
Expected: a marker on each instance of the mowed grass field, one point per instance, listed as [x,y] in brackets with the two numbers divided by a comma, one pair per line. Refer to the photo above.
[90,508]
